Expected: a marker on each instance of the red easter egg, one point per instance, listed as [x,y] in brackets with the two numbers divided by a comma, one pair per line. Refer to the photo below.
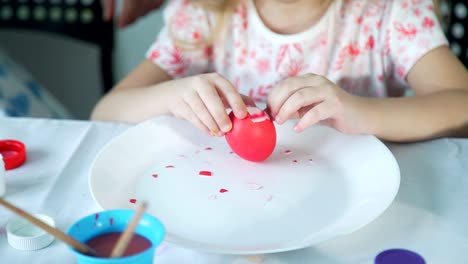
[254,137]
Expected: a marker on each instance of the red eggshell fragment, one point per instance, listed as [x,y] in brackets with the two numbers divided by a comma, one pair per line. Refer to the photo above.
[205,173]
[254,137]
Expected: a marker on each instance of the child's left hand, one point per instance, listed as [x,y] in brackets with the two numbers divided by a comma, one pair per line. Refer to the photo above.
[313,98]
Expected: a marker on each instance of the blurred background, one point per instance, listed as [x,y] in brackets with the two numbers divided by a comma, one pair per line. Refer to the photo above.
[62,45]
[63,53]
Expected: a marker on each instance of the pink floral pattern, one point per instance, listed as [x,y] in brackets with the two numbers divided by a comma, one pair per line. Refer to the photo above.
[371,49]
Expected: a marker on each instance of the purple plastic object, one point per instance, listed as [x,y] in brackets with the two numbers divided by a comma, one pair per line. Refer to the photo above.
[399,256]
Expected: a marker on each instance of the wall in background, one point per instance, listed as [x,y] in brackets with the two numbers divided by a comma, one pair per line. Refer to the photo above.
[133,42]
[69,69]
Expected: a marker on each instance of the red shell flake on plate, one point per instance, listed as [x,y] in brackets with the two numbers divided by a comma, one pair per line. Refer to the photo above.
[155,175]
[133,200]
[208,148]
[222,190]
[287,152]
[169,166]
[294,161]
[205,173]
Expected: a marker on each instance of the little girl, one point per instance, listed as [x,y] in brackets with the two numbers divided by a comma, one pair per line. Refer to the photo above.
[345,63]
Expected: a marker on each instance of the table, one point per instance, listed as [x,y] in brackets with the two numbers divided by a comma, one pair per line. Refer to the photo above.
[428,216]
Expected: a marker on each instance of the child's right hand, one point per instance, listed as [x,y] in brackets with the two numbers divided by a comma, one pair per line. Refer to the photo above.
[203,99]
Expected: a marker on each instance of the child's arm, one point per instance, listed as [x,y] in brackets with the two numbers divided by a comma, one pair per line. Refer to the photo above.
[440,107]
[128,100]
[180,54]
[148,91]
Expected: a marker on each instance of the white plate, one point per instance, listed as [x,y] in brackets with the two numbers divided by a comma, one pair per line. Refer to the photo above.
[317,185]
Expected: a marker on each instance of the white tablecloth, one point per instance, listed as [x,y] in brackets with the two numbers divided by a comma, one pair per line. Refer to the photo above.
[429,215]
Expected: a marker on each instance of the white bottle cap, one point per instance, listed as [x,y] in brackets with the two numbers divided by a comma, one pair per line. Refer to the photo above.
[24,235]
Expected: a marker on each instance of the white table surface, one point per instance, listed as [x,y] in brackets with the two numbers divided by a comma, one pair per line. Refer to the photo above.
[428,216]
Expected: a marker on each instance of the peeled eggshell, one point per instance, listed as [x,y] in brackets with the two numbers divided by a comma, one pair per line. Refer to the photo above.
[254,137]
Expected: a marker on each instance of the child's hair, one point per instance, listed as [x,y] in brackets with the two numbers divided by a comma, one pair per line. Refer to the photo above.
[223,8]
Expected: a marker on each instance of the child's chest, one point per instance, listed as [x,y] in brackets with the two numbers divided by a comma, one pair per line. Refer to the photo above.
[347,56]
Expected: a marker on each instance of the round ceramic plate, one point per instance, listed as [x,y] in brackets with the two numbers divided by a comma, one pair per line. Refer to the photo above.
[317,185]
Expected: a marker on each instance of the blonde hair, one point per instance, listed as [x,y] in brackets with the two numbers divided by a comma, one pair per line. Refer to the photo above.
[221,9]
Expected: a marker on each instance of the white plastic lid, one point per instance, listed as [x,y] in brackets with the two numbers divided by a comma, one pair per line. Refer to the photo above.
[23,235]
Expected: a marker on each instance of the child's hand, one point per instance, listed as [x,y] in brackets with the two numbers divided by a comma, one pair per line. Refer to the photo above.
[131,10]
[203,100]
[314,99]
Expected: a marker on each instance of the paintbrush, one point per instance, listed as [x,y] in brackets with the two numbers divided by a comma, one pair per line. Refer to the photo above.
[77,245]
[127,235]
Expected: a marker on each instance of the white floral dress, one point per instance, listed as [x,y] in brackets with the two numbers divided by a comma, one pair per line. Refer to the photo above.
[367,47]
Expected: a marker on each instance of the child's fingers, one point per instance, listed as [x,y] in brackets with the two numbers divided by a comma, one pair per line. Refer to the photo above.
[130,12]
[248,101]
[193,118]
[215,106]
[232,96]
[201,111]
[301,98]
[184,111]
[108,7]
[320,112]
[285,88]
[280,93]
